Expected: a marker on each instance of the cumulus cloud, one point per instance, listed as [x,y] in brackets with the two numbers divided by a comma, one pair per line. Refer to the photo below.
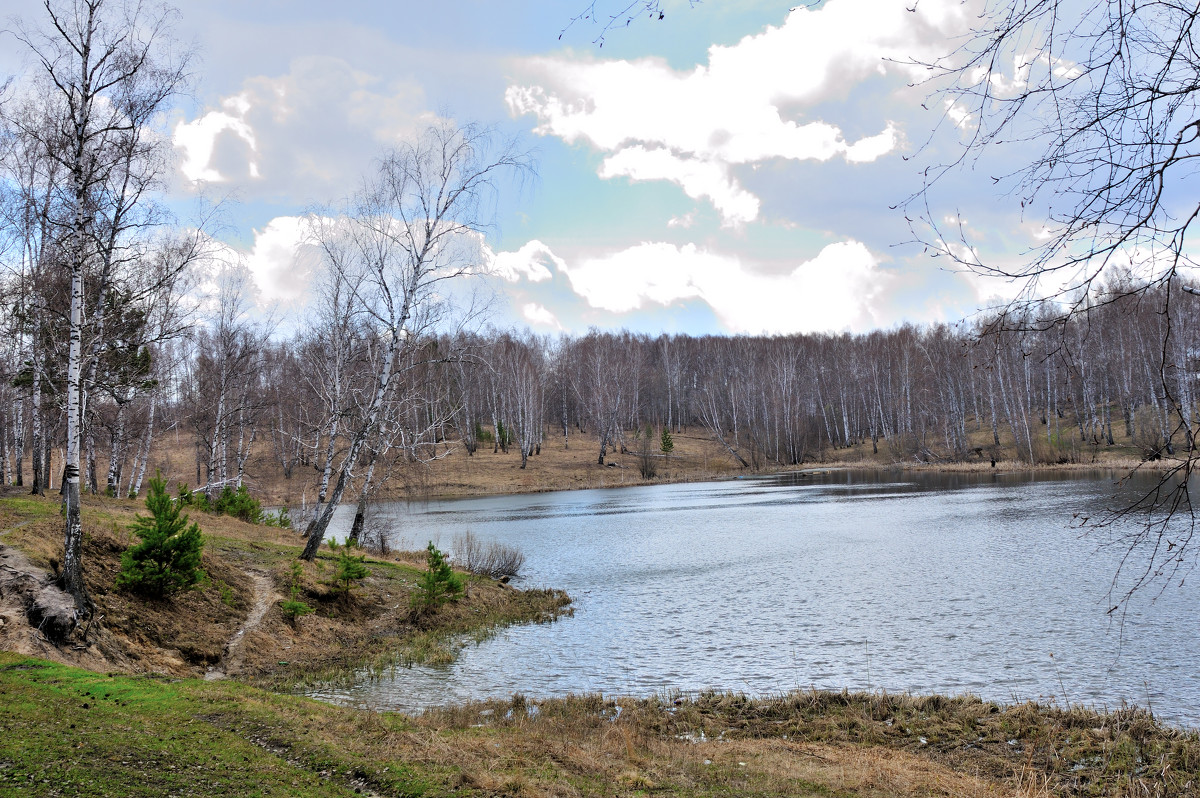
[745,106]
[275,261]
[840,288]
[698,179]
[530,262]
[308,134]
[538,315]
[197,140]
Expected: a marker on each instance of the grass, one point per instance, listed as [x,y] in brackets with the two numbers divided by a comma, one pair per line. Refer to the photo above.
[185,634]
[75,732]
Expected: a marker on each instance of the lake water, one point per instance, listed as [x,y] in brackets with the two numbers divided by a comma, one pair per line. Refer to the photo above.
[911,582]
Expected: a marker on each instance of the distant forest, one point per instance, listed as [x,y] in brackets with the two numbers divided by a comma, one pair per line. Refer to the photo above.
[1051,391]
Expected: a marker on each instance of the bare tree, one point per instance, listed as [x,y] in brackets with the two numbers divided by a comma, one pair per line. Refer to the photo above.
[107,72]
[1107,98]
[604,17]
[407,232]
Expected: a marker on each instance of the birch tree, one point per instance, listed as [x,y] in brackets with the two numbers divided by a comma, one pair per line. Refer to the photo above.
[407,233]
[107,71]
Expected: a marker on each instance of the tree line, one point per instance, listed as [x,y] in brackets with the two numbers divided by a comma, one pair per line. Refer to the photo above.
[227,387]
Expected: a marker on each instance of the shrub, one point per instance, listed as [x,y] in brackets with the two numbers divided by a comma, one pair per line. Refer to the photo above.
[494,560]
[646,463]
[503,435]
[168,558]
[349,569]
[293,607]
[438,584]
[280,519]
[239,504]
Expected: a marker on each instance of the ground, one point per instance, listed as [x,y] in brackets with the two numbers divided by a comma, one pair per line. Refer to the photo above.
[168,698]
[74,732]
[446,470]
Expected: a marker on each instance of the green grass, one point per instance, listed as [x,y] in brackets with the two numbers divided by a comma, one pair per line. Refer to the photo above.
[16,510]
[74,732]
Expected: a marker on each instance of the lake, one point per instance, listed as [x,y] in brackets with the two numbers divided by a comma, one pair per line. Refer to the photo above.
[946,583]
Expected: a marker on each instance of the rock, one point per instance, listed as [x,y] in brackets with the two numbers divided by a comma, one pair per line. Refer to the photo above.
[52,612]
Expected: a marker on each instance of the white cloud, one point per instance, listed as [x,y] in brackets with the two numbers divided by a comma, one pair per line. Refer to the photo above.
[745,105]
[842,287]
[537,314]
[275,263]
[698,179]
[197,140]
[872,148]
[529,262]
[309,133]
[959,114]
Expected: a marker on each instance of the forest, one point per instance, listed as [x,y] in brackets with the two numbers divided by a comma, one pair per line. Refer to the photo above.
[1052,392]
[126,329]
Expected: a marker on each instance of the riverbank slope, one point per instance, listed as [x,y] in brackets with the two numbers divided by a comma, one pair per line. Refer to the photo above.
[74,732]
[232,623]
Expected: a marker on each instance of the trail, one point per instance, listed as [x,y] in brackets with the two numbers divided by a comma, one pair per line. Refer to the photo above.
[231,660]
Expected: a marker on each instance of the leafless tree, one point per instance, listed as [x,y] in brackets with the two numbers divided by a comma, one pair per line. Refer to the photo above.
[1106,96]
[604,17]
[107,72]
[408,232]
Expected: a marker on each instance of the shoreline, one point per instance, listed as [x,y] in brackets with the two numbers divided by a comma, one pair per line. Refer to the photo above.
[92,734]
[1121,468]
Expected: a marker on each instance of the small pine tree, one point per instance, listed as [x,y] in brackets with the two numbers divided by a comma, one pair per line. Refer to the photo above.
[438,584]
[666,443]
[168,558]
[349,570]
[293,607]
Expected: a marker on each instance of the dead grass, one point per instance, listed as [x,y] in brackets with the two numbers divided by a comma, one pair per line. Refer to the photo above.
[696,458]
[839,743]
[188,632]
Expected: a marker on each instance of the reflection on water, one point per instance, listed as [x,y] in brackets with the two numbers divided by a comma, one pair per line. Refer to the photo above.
[946,583]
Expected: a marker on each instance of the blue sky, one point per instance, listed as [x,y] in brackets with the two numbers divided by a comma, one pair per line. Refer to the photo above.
[730,169]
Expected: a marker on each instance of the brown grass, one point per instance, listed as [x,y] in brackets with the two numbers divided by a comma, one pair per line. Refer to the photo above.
[819,743]
[450,472]
[186,633]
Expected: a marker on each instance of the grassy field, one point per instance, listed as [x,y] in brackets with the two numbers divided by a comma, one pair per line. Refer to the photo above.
[72,732]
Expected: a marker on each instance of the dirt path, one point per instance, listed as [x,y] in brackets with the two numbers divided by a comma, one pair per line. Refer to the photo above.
[264,597]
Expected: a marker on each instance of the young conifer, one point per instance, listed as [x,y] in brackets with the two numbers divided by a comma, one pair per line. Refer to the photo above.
[168,558]
[438,584]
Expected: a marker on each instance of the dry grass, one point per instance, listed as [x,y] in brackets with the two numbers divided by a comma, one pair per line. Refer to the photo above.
[451,472]
[696,457]
[840,743]
[185,634]
[105,735]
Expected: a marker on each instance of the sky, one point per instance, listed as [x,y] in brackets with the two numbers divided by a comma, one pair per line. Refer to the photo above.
[734,167]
